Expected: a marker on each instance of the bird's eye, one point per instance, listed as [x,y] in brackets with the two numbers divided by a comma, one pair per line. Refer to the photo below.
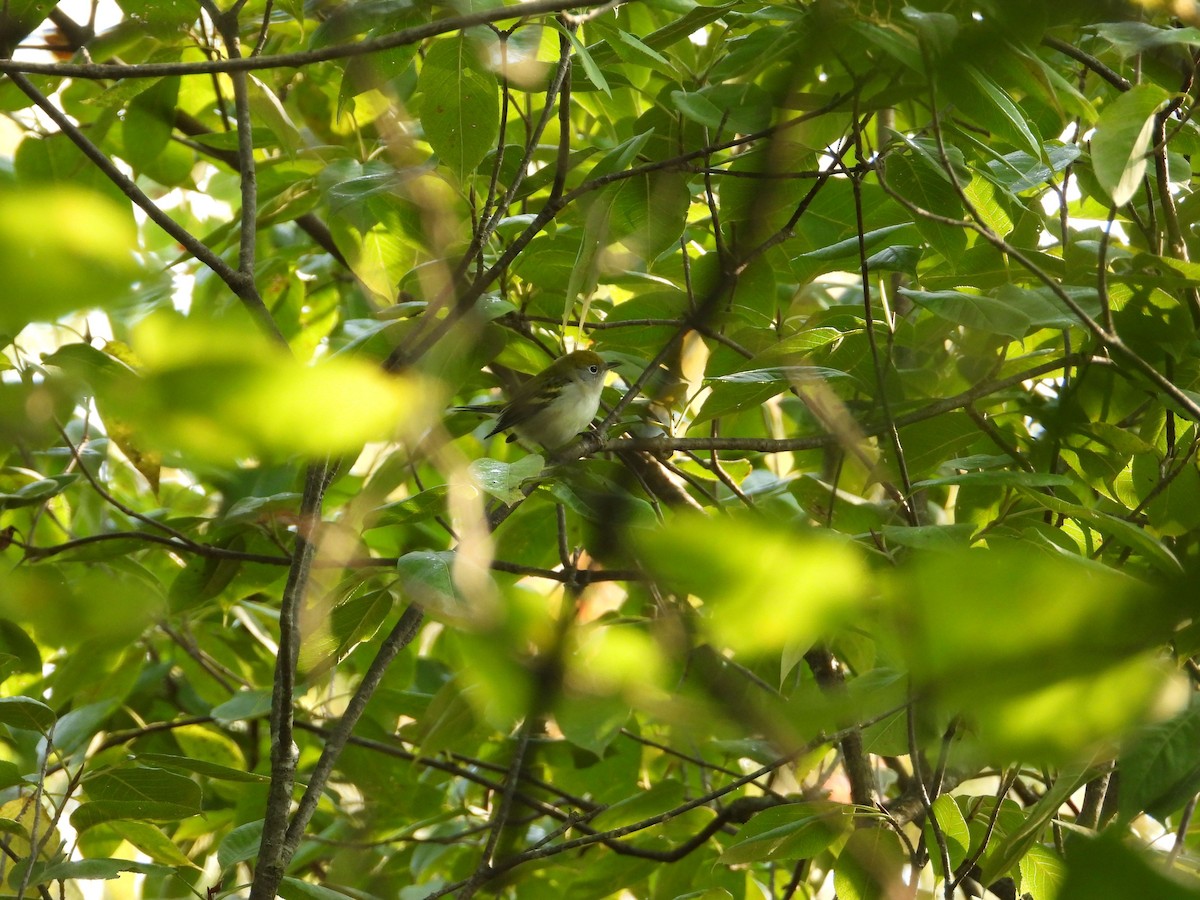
[593,369]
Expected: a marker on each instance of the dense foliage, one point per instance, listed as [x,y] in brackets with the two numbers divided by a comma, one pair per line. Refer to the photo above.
[878,576]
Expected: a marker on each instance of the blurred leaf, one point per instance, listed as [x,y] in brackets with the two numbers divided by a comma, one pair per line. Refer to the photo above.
[220,394]
[295,889]
[61,250]
[1107,867]
[760,588]
[1085,633]
[18,18]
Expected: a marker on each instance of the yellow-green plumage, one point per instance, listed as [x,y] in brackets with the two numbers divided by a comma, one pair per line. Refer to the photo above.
[558,403]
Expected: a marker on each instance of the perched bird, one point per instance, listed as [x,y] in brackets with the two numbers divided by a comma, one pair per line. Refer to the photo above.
[555,405]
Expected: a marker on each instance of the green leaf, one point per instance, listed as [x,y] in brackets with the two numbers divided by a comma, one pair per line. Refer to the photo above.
[241,844]
[592,722]
[985,101]
[1154,551]
[26,713]
[1004,854]
[332,634]
[36,492]
[620,157]
[1160,766]
[985,313]
[738,391]
[133,783]
[1137,37]
[747,578]
[1042,873]
[1122,140]
[1020,171]
[148,123]
[954,831]
[922,182]
[295,889]
[15,642]
[95,869]
[1108,867]
[201,767]
[929,537]
[504,480]
[792,831]
[62,249]
[840,510]
[245,704]
[151,841]
[460,111]
[419,507]
[218,393]
[82,723]
[427,578]
[649,213]
[100,812]
[594,74]
[869,865]
[999,478]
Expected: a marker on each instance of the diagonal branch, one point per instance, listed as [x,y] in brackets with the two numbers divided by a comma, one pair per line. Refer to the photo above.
[242,286]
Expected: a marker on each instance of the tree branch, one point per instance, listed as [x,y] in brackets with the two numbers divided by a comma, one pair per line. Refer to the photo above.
[404,36]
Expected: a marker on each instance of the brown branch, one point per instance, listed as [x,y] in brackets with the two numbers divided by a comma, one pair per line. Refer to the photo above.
[272,858]
[1089,61]
[404,36]
[401,636]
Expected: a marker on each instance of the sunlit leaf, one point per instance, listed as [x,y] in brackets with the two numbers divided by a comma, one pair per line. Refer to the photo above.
[759,588]
[62,249]
[220,395]
[1122,139]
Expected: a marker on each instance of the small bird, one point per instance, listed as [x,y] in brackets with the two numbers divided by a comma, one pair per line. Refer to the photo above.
[555,405]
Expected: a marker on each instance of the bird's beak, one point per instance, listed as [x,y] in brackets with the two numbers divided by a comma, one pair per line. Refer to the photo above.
[610,366]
